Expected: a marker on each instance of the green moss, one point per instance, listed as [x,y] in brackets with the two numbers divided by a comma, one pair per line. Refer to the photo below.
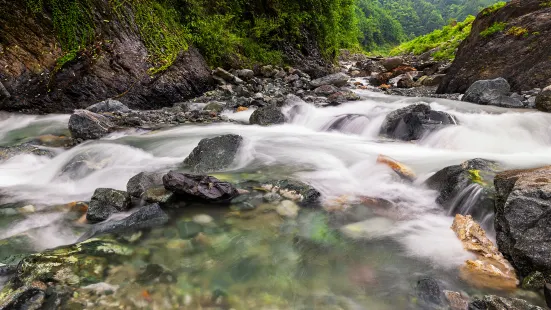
[494,28]
[546,4]
[494,8]
[518,31]
[476,178]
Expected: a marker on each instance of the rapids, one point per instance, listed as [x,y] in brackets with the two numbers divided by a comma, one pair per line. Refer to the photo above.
[332,148]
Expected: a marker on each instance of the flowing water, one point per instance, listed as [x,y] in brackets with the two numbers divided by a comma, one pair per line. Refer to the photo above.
[335,150]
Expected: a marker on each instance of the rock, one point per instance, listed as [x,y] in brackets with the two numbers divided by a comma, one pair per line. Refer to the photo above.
[403,171]
[88,125]
[428,291]
[466,188]
[265,116]
[25,148]
[214,106]
[268,71]
[433,80]
[140,183]
[490,269]
[109,106]
[199,187]
[101,288]
[521,59]
[4,93]
[105,202]
[547,294]
[83,164]
[203,219]
[226,76]
[405,82]
[26,297]
[287,209]
[456,300]
[501,303]
[342,97]
[534,281]
[392,63]
[245,74]
[522,219]
[146,217]
[155,273]
[302,193]
[370,229]
[543,100]
[188,230]
[313,228]
[326,90]
[336,79]
[214,154]
[292,100]
[412,122]
[492,92]
[158,195]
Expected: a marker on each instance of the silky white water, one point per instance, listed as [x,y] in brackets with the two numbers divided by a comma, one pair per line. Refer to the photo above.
[337,158]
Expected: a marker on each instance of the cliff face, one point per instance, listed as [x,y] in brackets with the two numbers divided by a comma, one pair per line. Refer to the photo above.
[116,64]
[513,42]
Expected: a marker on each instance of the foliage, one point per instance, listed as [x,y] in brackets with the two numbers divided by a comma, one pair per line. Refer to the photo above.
[494,8]
[494,28]
[445,40]
[518,31]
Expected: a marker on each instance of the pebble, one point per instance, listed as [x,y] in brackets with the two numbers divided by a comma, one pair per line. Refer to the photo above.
[203,219]
[287,209]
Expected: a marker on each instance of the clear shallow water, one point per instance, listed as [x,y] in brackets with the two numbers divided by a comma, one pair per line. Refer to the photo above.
[335,154]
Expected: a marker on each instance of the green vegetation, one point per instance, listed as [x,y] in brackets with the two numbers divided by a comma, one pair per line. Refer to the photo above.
[546,4]
[494,28]
[494,8]
[518,31]
[446,41]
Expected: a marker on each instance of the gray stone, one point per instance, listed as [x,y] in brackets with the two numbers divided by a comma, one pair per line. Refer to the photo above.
[336,79]
[214,106]
[287,209]
[245,74]
[392,63]
[543,100]
[491,92]
[412,122]
[105,202]
[146,217]
[4,94]
[214,154]
[109,106]
[268,71]
[138,184]
[326,90]
[199,187]
[268,115]
[428,291]
[433,80]
[88,125]
[501,303]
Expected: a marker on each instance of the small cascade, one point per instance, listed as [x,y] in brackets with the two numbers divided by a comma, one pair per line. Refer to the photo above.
[472,200]
[351,124]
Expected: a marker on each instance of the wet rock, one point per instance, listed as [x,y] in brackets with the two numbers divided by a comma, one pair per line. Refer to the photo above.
[25,148]
[109,106]
[543,100]
[189,229]
[214,106]
[342,97]
[302,193]
[214,154]
[403,171]
[392,63]
[155,273]
[146,217]
[313,228]
[140,183]
[226,76]
[491,92]
[501,303]
[87,125]
[547,294]
[456,300]
[203,219]
[522,219]
[428,291]
[490,269]
[83,165]
[199,187]
[287,209]
[105,202]
[534,281]
[292,99]
[433,80]
[412,122]
[405,82]
[370,229]
[326,90]
[466,187]
[337,79]
[158,195]
[265,116]
[27,297]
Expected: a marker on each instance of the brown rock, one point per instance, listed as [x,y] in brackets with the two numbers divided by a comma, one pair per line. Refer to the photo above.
[490,269]
[456,300]
[402,170]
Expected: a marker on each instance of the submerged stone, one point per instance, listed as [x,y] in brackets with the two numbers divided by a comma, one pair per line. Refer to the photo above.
[429,292]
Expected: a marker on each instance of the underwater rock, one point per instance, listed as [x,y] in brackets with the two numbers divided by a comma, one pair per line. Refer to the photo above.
[490,269]
[287,209]
[199,187]
[429,292]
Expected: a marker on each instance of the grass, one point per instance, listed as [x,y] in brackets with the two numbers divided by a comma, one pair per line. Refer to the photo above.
[493,29]
[494,8]
[445,40]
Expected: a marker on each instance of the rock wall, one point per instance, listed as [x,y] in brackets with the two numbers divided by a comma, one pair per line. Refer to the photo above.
[519,52]
[116,65]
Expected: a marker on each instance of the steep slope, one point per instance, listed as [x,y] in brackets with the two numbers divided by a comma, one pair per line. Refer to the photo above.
[46,67]
[512,42]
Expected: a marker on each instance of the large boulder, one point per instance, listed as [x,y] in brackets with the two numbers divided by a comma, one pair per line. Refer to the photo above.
[392,63]
[269,115]
[214,154]
[109,106]
[543,100]
[337,79]
[467,188]
[146,217]
[105,202]
[523,214]
[412,122]
[88,125]
[199,187]
[491,92]
[140,183]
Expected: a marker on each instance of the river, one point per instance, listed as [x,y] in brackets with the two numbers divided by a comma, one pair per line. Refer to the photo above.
[335,150]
